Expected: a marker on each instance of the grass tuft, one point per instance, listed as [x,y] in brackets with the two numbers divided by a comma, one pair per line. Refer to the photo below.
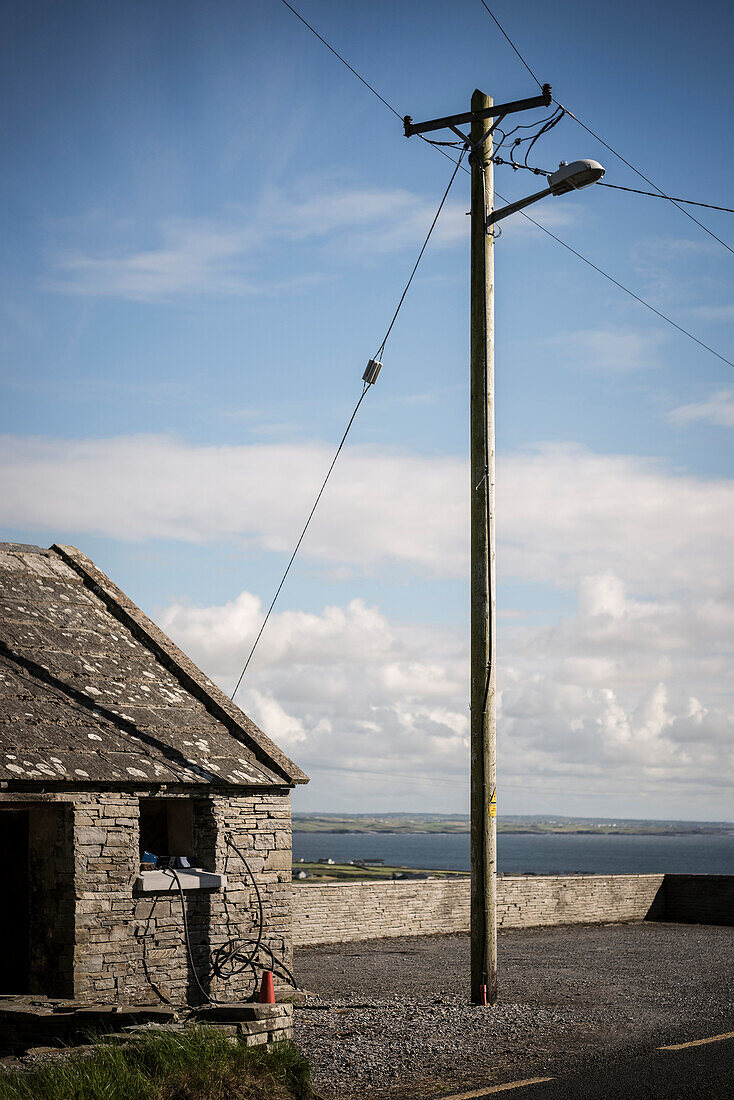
[196,1064]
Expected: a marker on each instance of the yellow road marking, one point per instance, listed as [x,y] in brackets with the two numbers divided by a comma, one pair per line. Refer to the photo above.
[497,1088]
[700,1042]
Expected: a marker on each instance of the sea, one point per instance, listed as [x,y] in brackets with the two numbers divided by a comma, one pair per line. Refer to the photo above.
[526,853]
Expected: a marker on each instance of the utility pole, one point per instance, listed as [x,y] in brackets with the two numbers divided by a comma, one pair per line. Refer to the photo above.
[483,606]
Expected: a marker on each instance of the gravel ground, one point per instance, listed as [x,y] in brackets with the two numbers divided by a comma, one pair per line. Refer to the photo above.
[390,1018]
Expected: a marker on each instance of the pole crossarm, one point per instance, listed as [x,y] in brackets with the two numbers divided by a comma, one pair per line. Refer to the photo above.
[450,121]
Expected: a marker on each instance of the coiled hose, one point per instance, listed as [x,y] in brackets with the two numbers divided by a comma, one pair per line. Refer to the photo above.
[237,954]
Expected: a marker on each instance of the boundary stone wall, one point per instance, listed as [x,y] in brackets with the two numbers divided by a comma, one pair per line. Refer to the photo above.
[341,912]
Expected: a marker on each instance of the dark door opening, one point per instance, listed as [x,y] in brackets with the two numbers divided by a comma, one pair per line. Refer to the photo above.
[14,910]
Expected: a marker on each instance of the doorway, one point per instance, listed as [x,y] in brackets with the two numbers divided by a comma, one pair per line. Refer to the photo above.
[14,911]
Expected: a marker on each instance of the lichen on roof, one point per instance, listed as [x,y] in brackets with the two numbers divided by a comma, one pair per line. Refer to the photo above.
[92,691]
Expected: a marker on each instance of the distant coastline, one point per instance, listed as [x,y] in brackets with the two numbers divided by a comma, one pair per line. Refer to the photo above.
[421,824]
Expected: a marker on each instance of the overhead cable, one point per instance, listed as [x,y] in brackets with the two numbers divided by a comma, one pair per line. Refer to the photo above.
[354,71]
[642,175]
[599,183]
[626,289]
[613,151]
[512,44]
[365,388]
[444,153]
[657,195]
[611,278]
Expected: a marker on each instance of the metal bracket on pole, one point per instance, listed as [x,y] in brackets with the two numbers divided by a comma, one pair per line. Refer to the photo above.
[464,137]
[505,211]
[487,136]
[450,121]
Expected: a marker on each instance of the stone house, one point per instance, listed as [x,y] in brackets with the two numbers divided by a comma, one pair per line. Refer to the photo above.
[113,745]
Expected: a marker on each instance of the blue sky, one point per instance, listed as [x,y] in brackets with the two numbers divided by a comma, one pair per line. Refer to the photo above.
[206,224]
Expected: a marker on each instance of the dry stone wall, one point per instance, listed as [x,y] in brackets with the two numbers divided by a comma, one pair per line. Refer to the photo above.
[340,912]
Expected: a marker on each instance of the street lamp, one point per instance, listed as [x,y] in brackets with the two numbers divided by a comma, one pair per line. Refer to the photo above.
[567,177]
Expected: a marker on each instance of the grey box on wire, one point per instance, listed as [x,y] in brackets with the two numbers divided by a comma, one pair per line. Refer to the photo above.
[372,371]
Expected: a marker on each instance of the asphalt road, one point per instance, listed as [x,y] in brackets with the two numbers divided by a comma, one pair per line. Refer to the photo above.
[706,1073]
[702,1072]
[587,1006]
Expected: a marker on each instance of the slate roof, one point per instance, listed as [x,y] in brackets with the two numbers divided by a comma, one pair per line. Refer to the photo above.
[91,691]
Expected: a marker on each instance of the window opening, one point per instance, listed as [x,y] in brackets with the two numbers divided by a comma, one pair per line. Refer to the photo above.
[166,831]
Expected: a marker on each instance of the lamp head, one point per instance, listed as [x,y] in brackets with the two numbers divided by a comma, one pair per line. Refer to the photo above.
[574,176]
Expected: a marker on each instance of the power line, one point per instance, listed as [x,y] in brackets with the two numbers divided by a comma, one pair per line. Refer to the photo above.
[626,289]
[611,278]
[649,181]
[359,76]
[331,48]
[614,152]
[617,186]
[512,44]
[657,195]
[365,388]
[444,153]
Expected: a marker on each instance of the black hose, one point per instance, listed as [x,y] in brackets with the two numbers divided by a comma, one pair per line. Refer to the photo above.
[237,954]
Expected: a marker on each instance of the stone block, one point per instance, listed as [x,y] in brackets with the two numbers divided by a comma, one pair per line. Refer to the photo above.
[278,860]
[90,835]
[247,1012]
[254,1040]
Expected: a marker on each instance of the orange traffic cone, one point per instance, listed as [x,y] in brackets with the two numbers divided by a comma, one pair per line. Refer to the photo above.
[267,991]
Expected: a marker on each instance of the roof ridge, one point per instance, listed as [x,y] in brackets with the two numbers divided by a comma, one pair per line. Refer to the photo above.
[23,548]
[219,705]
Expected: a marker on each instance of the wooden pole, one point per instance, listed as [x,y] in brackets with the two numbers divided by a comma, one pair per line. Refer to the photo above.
[483,707]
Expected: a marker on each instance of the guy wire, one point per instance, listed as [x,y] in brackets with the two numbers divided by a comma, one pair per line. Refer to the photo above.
[365,388]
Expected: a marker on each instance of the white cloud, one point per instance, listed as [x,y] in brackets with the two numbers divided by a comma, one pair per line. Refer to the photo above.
[377,508]
[233,255]
[614,705]
[718,410]
[627,698]
[185,257]
[625,691]
[342,687]
[564,512]
[608,349]
[715,313]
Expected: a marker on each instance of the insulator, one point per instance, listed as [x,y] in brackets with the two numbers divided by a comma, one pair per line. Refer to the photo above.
[372,371]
